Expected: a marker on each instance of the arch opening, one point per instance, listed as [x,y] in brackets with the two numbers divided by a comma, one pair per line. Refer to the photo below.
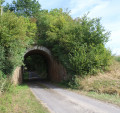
[37,65]
[54,70]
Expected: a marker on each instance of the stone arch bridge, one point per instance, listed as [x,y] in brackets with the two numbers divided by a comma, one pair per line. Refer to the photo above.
[56,72]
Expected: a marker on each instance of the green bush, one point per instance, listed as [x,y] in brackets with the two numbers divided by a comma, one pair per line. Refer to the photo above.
[79,44]
[117,58]
[16,34]
[2,58]
[89,60]
[5,83]
[74,82]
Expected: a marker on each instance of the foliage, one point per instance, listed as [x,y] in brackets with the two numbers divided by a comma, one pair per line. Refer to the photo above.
[5,83]
[16,34]
[87,60]
[2,58]
[25,75]
[74,82]
[27,8]
[79,44]
[117,58]
[36,63]
[1,2]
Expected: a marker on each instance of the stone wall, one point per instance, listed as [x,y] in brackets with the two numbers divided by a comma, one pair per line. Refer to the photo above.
[17,76]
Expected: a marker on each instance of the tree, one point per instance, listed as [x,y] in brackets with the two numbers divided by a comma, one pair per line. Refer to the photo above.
[2,1]
[16,35]
[79,44]
[27,8]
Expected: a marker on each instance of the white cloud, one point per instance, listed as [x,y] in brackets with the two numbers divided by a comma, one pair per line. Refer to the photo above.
[99,10]
[80,6]
[116,51]
[51,4]
[109,10]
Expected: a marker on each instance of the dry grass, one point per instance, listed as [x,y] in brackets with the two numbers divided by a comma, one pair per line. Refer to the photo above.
[107,82]
[104,86]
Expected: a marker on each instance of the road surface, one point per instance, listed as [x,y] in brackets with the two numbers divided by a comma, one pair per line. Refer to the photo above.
[59,100]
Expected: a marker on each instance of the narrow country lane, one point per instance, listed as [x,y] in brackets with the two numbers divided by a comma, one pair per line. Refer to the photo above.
[59,100]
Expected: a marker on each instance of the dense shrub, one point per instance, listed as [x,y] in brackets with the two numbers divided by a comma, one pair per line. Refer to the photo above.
[5,83]
[16,33]
[79,44]
[2,58]
[88,60]
[117,58]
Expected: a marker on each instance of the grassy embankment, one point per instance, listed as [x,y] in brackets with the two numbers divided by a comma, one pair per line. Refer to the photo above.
[19,99]
[104,86]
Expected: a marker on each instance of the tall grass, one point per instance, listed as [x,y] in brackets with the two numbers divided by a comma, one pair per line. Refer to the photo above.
[107,82]
[117,58]
[5,83]
[19,99]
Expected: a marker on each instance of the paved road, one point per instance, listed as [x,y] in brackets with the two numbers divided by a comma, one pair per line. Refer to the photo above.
[59,100]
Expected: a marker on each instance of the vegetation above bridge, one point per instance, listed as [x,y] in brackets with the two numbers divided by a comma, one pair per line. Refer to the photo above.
[78,44]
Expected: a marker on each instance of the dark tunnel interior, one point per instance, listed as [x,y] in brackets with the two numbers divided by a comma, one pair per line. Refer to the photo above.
[36,65]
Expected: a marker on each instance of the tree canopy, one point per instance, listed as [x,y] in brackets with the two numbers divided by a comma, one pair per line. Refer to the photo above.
[78,44]
[16,33]
[2,1]
[27,8]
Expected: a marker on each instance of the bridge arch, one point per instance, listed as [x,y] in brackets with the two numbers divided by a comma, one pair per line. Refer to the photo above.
[56,72]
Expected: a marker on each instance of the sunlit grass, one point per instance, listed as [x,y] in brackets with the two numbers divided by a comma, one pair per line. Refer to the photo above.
[20,99]
[114,99]
[117,58]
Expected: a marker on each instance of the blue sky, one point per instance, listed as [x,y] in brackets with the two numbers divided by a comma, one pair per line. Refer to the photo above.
[108,10]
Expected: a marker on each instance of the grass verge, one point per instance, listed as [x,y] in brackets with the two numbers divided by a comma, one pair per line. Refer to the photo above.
[104,86]
[19,99]
[114,99]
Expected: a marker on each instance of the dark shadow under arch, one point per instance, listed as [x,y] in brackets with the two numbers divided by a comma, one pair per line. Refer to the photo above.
[46,57]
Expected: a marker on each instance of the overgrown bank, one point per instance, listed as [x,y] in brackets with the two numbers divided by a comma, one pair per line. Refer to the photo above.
[78,44]
[21,100]
[103,86]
